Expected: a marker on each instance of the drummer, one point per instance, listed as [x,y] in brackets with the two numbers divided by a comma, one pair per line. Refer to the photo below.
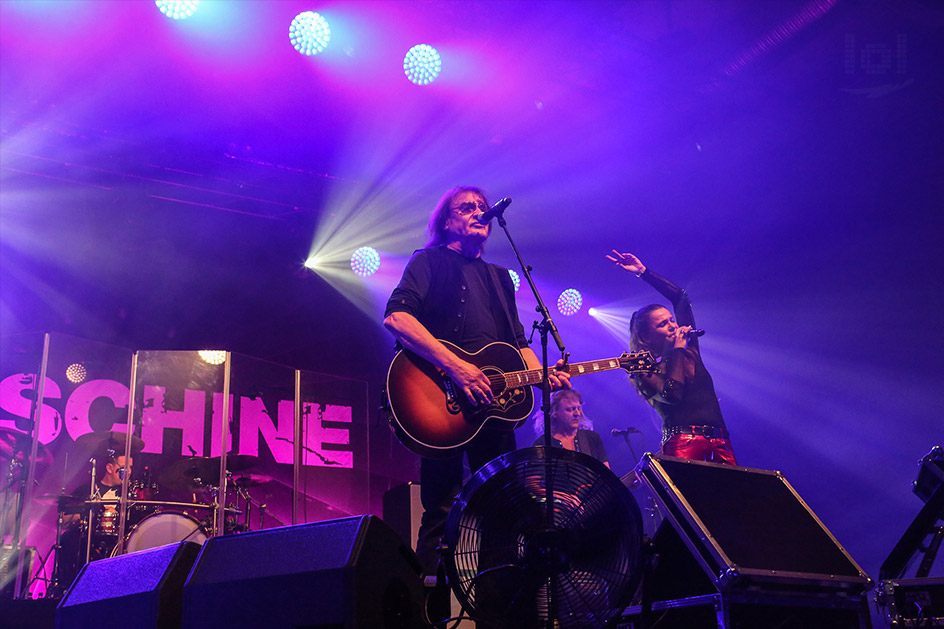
[108,486]
[105,519]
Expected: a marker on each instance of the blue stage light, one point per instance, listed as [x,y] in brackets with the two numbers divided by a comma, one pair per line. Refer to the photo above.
[515,279]
[422,64]
[177,9]
[569,302]
[365,261]
[309,33]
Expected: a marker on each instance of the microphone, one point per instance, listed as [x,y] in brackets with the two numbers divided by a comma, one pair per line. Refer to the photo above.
[694,333]
[496,210]
[616,432]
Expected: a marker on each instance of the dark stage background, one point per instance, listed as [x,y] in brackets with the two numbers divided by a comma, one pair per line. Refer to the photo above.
[163,182]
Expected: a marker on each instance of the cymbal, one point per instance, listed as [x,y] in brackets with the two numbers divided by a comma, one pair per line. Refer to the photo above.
[109,440]
[15,445]
[238,462]
[189,474]
[251,480]
[199,471]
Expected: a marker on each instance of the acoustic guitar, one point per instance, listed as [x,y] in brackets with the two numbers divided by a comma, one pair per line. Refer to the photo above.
[433,417]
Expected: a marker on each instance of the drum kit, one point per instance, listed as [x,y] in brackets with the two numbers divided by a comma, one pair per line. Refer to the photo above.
[183,505]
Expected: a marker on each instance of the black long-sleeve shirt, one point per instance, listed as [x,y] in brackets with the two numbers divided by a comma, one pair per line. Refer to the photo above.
[690,398]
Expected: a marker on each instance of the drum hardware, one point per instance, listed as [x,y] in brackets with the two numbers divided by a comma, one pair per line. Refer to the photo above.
[14,445]
[200,476]
[241,484]
[91,515]
[15,450]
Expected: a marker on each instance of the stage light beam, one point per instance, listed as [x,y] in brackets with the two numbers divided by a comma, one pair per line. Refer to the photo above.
[615,320]
[309,33]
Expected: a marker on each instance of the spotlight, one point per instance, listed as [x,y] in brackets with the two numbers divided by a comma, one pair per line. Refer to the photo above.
[569,302]
[213,356]
[515,279]
[76,373]
[422,64]
[312,263]
[177,9]
[309,33]
[365,261]
[592,312]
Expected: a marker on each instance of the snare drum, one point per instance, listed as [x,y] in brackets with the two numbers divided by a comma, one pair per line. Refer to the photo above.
[106,523]
[160,529]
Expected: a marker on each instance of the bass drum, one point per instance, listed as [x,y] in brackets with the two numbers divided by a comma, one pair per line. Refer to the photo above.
[160,529]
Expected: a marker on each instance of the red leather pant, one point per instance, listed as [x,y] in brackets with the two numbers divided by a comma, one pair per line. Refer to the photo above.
[698,448]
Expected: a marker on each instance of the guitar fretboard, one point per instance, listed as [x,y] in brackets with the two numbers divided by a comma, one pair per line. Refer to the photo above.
[534,376]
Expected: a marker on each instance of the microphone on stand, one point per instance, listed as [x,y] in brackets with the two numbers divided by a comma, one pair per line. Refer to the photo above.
[616,432]
[496,210]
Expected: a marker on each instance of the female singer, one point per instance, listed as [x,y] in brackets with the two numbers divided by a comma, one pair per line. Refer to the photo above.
[682,391]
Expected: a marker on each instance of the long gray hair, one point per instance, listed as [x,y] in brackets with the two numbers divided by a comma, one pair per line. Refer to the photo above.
[436,229]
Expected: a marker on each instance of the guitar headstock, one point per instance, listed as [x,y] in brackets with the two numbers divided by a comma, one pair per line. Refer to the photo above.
[635,363]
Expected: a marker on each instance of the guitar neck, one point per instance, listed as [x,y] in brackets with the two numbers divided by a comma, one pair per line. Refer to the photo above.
[535,376]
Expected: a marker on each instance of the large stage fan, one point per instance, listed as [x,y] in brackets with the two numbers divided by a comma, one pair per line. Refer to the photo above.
[514,563]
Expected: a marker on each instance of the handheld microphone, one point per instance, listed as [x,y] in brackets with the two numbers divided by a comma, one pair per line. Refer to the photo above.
[694,333]
[616,432]
[496,210]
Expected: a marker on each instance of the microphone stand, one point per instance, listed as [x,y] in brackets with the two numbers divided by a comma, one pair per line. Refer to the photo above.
[545,327]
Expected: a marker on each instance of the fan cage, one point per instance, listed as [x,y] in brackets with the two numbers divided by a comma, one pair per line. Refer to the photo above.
[511,565]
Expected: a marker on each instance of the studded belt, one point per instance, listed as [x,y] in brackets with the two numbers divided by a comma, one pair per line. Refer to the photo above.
[709,432]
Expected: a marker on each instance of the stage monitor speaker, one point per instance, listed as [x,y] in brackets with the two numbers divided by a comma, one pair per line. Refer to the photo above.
[352,573]
[137,590]
[746,526]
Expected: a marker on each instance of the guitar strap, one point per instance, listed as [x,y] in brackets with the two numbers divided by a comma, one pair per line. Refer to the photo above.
[500,291]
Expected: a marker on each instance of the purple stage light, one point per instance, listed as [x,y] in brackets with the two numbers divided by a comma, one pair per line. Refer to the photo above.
[177,9]
[365,261]
[422,64]
[515,279]
[309,33]
[569,302]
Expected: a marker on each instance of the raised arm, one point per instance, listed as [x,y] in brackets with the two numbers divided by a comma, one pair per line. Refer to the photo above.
[681,304]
